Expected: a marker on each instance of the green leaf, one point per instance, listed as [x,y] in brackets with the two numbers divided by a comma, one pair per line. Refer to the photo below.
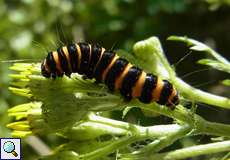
[180,39]
[198,46]
[215,64]
[125,111]
[194,45]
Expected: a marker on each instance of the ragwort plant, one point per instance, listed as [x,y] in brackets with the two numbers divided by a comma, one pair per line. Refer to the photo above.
[71,107]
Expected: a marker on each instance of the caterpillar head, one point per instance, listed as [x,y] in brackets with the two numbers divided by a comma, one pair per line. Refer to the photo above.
[173,100]
[45,69]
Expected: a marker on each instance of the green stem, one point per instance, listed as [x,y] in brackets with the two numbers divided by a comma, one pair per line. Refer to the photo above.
[184,115]
[193,151]
[198,95]
[202,126]
[158,144]
[212,128]
[164,141]
[144,132]
[161,130]
[94,118]
[101,152]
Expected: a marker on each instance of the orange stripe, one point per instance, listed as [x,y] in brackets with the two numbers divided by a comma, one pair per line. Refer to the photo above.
[136,91]
[102,52]
[65,50]
[79,55]
[46,66]
[157,91]
[108,68]
[119,80]
[56,59]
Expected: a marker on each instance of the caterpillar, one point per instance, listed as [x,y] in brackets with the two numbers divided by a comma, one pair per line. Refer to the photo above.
[107,67]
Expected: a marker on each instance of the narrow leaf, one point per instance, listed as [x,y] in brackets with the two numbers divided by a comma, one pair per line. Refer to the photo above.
[215,64]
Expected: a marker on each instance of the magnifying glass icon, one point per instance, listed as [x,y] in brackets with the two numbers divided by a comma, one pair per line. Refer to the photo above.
[9,147]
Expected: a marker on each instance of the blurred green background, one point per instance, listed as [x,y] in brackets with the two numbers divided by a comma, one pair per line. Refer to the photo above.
[29,28]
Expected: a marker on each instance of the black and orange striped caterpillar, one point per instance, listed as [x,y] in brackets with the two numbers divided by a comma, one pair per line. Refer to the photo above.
[106,66]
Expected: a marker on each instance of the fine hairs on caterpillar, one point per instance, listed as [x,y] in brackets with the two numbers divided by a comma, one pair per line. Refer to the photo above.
[107,67]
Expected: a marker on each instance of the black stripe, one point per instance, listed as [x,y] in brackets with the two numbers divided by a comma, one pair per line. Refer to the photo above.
[106,59]
[114,72]
[95,56]
[149,85]
[52,64]
[85,56]
[64,62]
[165,92]
[129,81]
[73,55]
